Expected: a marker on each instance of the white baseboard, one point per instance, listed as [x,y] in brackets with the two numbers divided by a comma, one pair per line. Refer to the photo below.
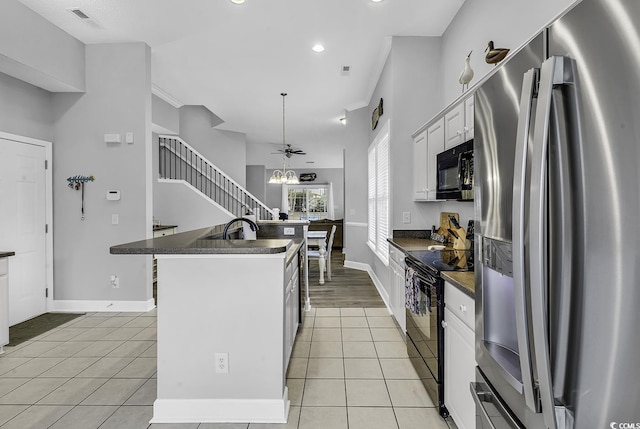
[376,281]
[221,410]
[109,306]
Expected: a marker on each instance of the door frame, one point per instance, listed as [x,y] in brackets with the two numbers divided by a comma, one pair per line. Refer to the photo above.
[48,206]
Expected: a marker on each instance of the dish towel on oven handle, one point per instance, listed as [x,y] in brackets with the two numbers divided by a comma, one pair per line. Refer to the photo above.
[412,290]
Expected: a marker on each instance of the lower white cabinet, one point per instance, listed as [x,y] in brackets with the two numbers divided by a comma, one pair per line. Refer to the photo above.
[4,303]
[291,307]
[459,352]
[397,291]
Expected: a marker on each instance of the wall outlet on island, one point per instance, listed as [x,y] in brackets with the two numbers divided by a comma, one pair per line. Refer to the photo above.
[289,231]
[222,363]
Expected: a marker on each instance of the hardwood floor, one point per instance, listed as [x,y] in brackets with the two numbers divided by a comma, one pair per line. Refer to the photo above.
[348,287]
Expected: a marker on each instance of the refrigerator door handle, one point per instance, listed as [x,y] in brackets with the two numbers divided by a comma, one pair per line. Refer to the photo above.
[518,211]
[555,71]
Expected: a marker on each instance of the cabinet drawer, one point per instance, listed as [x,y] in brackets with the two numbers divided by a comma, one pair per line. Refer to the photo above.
[396,254]
[463,306]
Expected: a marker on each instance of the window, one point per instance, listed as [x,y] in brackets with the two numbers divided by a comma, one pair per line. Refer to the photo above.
[310,202]
[379,194]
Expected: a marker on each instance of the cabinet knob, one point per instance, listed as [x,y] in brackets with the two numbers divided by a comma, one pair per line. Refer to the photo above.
[466,129]
[459,132]
[463,308]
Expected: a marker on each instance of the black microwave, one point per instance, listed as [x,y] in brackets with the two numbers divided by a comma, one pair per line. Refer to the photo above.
[455,173]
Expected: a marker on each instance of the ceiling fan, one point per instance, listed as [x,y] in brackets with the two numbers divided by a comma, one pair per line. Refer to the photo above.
[288,151]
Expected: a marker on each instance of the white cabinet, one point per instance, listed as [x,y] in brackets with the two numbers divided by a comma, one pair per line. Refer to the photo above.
[420,162]
[469,105]
[435,145]
[426,146]
[458,123]
[291,307]
[459,352]
[397,291]
[454,127]
[4,303]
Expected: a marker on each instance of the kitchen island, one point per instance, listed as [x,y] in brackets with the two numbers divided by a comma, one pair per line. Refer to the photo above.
[227,320]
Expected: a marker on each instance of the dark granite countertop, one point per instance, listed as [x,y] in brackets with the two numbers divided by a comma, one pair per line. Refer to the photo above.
[5,254]
[408,244]
[201,241]
[462,280]
[465,281]
[162,227]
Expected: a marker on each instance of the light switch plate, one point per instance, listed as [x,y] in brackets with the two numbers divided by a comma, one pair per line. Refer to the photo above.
[406,217]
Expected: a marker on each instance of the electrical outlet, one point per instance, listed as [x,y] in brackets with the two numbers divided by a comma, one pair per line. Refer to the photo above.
[406,217]
[289,231]
[115,219]
[115,282]
[222,363]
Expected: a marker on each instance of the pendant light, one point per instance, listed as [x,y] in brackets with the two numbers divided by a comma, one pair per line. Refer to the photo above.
[284,176]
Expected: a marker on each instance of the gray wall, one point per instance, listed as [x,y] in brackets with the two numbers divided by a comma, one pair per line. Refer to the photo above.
[226,149]
[323,176]
[355,187]
[25,110]
[257,181]
[470,30]
[164,116]
[36,51]
[117,100]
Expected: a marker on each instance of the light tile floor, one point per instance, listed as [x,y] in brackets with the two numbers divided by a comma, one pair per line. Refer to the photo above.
[349,370]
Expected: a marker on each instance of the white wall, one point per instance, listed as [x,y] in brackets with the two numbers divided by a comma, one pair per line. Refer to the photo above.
[34,50]
[509,23]
[117,100]
[25,110]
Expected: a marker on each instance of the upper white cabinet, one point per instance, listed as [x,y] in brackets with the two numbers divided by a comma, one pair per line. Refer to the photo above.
[427,145]
[459,123]
[468,117]
[435,145]
[454,126]
[419,167]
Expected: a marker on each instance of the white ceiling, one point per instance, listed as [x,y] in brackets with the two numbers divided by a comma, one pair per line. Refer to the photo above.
[237,59]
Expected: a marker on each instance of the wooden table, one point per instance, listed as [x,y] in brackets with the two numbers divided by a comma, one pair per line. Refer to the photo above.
[319,238]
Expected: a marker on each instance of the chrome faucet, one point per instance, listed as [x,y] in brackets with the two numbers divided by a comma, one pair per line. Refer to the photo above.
[254,226]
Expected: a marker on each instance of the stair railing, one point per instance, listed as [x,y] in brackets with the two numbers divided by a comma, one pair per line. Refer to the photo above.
[179,161]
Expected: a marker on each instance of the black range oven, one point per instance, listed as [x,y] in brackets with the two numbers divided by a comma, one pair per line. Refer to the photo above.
[425,314]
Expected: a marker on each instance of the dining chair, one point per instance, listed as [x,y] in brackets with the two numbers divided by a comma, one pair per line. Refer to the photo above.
[315,254]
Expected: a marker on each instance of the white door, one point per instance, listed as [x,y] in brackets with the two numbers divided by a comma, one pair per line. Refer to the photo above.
[22,226]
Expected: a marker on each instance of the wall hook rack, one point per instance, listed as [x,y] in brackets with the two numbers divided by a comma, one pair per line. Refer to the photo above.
[77,182]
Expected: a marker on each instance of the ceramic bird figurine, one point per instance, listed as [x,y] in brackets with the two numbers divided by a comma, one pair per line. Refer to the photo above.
[495,55]
[467,73]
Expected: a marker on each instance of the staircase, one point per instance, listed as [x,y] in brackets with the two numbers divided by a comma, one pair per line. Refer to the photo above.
[180,162]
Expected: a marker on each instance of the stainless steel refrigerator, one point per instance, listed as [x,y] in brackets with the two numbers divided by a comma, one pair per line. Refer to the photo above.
[557,199]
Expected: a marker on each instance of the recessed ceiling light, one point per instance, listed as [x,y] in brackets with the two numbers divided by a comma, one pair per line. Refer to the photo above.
[237,1]
[376,1]
[318,48]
